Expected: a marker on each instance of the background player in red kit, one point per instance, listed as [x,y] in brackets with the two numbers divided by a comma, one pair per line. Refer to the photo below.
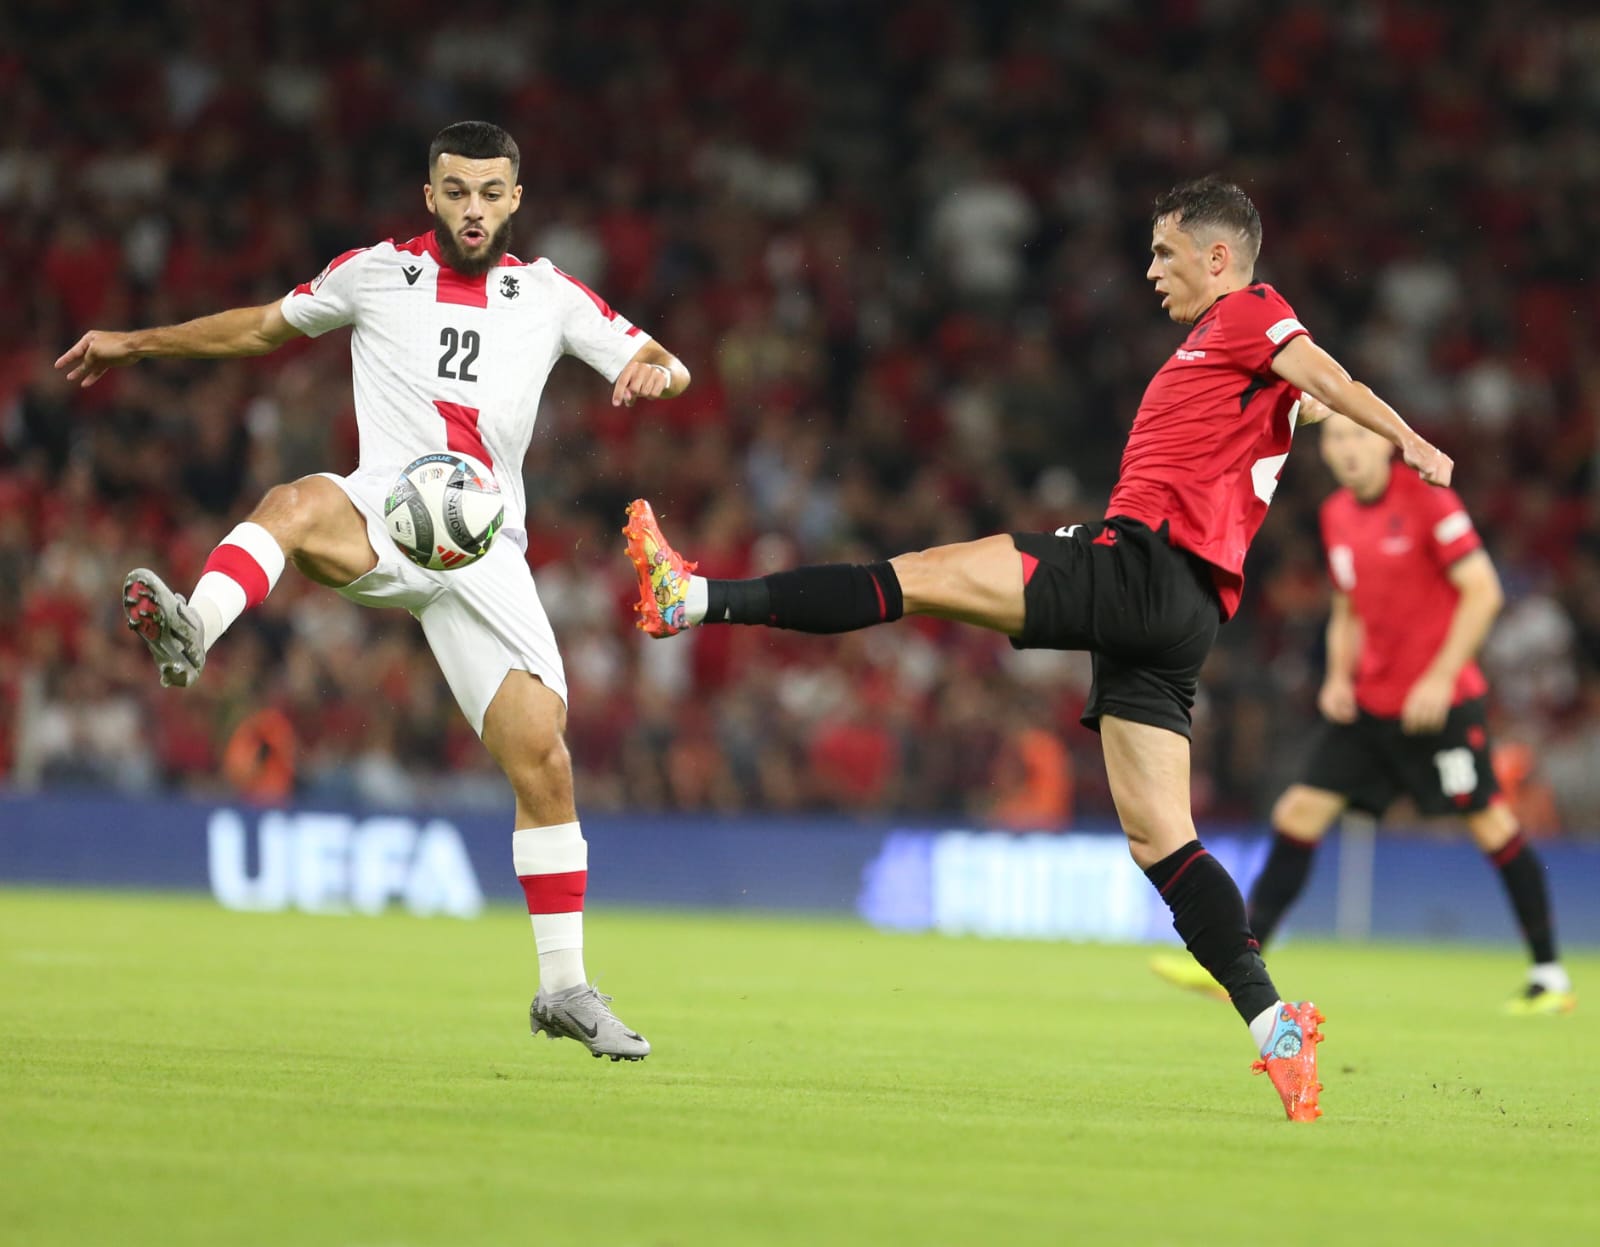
[503,323]
[1415,595]
[1143,591]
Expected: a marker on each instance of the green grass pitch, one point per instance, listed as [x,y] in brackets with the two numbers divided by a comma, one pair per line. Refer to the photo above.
[171,1073]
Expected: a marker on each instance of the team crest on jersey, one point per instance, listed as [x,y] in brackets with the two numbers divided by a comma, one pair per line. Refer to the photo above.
[508,286]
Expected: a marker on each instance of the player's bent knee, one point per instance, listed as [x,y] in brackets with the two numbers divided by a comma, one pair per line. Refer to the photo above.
[1493,828]
[296,512]
[281,513]
[1306,813]
[976,581]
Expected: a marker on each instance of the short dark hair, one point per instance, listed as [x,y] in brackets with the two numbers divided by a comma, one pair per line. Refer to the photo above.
[1212,201]
[475,140]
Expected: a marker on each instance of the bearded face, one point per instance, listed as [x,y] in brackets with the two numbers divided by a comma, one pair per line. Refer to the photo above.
[462,255]
[472,201]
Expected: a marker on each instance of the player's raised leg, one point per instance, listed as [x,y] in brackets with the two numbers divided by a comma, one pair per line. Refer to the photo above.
[977,582]
[311,522]
[1148,770]
[524,730]
[1548,988]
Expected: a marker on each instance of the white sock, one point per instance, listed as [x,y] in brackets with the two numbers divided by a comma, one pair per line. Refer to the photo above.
[240,573]
[1550,975]
[694,605]
[552,865]
[1262,1026]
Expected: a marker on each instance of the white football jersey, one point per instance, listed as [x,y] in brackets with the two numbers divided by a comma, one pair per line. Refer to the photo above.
[447,362]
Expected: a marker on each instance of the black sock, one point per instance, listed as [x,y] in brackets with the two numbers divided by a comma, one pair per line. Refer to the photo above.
[1279,884]
[1523,874]
[830,597]
[1208,912]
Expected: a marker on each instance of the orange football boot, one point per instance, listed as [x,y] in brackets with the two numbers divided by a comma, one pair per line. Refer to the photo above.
[663,574]
[1290,1059]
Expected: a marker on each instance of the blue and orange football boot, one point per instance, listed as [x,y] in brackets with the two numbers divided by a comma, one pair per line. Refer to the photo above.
[1290,1059]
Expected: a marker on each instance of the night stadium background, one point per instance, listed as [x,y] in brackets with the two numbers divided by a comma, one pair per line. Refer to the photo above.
[901,248]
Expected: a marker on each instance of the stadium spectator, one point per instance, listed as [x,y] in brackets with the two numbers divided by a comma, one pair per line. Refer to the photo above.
[778,208]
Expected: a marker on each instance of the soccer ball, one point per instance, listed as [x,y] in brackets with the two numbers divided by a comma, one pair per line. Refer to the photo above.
[444,510]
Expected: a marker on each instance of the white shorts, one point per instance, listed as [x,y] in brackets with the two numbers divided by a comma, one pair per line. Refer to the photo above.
[481,621]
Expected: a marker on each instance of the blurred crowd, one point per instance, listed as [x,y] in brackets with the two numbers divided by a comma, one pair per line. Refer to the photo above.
[901,246]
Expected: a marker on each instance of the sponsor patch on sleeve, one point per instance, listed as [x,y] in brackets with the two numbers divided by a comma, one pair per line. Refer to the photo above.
[1453,527]
[1279,332]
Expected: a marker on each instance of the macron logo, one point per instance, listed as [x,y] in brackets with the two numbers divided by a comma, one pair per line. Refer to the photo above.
[412,273]
[1283,329]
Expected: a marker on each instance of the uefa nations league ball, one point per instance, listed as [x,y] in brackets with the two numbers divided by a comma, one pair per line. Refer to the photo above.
[444,510]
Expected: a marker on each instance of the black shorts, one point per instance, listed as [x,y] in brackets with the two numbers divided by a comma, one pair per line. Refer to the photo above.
[1146,611]
[1372,761]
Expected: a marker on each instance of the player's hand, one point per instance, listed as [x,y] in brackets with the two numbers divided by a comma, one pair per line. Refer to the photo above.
[640,380]
[1337,700]
[1312,411]
[96,353]
[1427,705]
[1431,463]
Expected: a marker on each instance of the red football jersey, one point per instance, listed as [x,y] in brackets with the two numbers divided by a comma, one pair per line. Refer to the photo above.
[1393,558]
[1212,433]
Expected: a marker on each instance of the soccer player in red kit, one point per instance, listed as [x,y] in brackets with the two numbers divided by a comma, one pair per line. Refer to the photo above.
[1414,597]
[1143,590]
[502,323]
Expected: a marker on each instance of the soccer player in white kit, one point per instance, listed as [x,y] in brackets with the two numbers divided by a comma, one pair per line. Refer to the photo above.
[452,342]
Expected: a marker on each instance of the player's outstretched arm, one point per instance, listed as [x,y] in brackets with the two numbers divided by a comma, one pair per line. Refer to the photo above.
[1309,368]
[233,334]
[653,372]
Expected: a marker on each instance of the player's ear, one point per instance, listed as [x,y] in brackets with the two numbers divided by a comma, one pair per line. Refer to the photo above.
[427,195]
[516,197]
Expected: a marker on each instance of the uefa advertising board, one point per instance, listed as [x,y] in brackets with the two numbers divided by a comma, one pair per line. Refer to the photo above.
[1078,885]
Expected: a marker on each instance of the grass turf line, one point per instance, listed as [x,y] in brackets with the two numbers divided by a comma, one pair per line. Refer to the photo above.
[177,1074]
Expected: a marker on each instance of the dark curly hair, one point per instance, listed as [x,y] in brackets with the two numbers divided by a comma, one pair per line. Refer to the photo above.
[1211,201]
[475,140]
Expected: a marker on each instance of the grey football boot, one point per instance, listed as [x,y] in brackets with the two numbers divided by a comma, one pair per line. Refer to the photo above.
[167,624]
[582,1013]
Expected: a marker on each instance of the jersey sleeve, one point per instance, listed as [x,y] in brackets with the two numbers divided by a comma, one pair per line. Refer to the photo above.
[593,332]
[1261,323]
[1451,533]
[328,300]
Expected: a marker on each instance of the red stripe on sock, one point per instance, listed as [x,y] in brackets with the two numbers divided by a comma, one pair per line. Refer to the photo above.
[555,894]
[1029,566]
[237,564]
[1507,852]
[1192,859]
